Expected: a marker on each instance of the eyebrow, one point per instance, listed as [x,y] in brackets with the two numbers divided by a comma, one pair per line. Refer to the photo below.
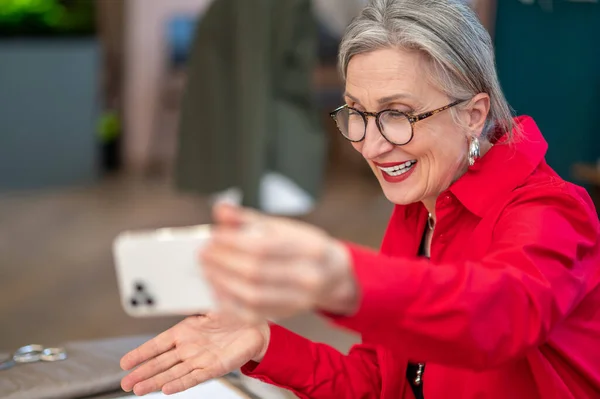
[384,100]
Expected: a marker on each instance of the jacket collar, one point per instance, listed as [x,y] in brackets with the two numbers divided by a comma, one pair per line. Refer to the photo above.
[503,168]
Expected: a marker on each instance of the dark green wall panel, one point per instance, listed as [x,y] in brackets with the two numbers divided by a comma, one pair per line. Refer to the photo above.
[549,68]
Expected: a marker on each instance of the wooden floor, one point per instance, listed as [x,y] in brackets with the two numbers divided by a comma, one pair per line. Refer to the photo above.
[57,281]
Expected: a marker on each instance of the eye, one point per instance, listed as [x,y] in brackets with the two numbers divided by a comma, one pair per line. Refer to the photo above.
[394,114]
[354,115]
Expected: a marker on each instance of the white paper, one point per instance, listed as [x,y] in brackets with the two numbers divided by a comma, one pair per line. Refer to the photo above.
[214,389]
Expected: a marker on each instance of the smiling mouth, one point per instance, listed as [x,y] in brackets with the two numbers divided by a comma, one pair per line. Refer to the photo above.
[398,170]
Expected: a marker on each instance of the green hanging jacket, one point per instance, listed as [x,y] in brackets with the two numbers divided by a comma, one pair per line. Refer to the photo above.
[249,105]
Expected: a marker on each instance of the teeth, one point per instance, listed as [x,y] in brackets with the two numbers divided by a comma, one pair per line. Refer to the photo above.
[399,169]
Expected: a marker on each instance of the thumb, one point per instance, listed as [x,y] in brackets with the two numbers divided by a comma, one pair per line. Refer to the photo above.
[234,216]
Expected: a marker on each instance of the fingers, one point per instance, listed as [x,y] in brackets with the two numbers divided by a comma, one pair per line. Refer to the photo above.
[151,349]
[252,241]
[251,301]
[241,265]
[272,237]
[262,272]
[253,286]
[279,271]
[150,369]
[187,374]
[157,382]
[195,377]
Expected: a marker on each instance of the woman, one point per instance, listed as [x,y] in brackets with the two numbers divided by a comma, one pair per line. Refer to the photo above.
[487,284]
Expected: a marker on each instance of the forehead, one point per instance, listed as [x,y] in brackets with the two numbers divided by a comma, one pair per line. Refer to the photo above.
[385,72]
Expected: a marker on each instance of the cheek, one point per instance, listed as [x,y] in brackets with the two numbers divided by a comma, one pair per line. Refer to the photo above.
[357,147]
[446,160]
[442,151]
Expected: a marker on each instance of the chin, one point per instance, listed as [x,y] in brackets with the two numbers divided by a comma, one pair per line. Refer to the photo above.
[399,198]
[399,195]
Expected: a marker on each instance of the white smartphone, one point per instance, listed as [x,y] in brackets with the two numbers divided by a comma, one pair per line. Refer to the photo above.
[159,273]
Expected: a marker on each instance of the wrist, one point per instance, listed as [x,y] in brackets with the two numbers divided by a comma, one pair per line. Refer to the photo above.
[265,331]
[341,297]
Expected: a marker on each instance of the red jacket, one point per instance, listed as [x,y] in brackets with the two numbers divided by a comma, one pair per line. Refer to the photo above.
[507,307]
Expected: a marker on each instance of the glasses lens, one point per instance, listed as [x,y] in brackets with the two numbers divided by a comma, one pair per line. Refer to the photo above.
[351,124]
[396,127]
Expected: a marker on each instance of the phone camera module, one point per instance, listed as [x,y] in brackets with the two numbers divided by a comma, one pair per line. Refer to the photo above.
[141,296]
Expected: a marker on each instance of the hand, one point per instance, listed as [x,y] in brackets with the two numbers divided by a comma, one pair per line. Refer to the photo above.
[262,266]
[196,350]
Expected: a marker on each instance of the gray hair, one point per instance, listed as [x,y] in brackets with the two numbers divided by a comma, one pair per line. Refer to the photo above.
[449,33]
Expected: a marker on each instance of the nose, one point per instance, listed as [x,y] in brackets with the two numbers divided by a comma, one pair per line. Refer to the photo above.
[374,144]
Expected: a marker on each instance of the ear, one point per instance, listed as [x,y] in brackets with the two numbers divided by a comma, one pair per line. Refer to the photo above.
[477,112]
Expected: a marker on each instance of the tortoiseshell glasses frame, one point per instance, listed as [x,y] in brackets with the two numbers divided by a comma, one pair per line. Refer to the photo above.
[411,118]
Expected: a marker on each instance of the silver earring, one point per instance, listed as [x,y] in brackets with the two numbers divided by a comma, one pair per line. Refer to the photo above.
[474,151]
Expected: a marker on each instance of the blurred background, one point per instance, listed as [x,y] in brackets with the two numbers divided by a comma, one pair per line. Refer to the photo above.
[118,115]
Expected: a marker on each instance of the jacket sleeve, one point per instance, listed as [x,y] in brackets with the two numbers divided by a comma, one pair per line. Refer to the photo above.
[478,314]
[314,370]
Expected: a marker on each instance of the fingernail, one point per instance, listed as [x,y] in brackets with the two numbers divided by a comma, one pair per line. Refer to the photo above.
[124,388]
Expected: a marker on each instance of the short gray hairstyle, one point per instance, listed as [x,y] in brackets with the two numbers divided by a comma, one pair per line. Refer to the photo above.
[449,33]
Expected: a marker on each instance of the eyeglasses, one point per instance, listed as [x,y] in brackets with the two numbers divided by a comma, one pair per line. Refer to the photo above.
[395,126]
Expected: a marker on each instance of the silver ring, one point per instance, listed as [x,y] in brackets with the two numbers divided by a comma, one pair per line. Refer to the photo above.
[28,354]
[53,354]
